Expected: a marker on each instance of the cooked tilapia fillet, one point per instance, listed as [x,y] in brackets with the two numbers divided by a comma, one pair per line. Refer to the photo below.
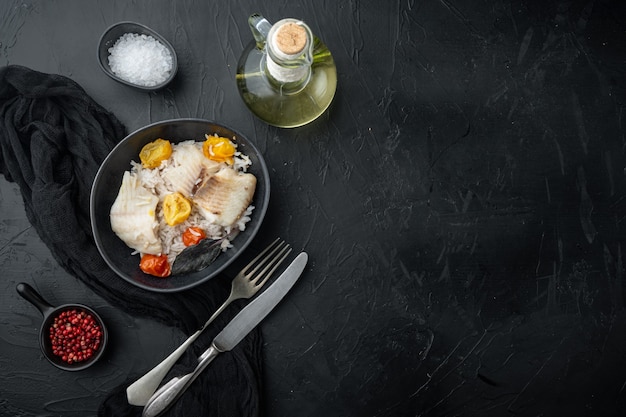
[187,168]
[224,197]
[133,216]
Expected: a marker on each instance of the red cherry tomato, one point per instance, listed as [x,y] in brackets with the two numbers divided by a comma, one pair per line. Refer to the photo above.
[193,235]
[156,265]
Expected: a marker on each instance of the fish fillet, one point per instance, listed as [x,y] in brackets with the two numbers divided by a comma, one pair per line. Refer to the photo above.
[133,216]
[224,197]
[188,167]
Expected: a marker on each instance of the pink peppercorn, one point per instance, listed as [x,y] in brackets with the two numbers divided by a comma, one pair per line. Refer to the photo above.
[75,336]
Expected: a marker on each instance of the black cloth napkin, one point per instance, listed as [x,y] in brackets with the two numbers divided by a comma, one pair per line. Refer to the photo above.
[53,138]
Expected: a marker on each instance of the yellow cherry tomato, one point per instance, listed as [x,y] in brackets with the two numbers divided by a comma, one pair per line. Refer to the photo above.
[176,208]
[219,149]
[153,153]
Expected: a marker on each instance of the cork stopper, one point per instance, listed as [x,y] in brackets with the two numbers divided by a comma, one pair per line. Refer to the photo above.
[290,38]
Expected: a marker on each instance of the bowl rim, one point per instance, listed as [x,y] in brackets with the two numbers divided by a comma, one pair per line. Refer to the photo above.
[260,210]
[107,69]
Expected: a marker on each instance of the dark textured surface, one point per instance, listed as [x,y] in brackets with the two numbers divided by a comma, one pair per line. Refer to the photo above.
[462,203]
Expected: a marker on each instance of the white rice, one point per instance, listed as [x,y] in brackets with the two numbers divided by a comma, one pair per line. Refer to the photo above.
[171,236]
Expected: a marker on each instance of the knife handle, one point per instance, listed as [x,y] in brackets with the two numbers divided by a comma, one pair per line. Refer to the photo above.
[165,396]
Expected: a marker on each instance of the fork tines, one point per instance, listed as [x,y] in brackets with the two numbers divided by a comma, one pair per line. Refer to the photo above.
[270,259]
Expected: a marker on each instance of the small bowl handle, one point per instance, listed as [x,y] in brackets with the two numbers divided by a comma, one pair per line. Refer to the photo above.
[33,297]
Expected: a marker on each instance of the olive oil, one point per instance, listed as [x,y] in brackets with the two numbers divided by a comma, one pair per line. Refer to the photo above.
[287,77]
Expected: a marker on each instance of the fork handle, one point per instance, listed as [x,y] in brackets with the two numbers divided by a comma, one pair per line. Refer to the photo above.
[140,391]
[173,389]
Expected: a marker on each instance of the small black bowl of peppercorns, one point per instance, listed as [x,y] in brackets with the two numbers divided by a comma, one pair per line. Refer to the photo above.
[72,336]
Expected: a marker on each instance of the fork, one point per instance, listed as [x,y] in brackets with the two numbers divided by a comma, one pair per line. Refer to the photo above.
[245,284]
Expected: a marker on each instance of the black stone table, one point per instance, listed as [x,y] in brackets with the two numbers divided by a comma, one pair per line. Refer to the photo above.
[463,203]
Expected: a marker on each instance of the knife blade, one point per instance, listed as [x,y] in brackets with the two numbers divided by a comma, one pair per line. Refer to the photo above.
[234,332]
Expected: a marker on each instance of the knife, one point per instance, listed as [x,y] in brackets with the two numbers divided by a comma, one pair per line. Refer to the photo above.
[233,333]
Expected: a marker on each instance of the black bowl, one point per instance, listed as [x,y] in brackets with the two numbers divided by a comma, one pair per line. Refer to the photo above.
[49,313]
[113,33]
[109,178]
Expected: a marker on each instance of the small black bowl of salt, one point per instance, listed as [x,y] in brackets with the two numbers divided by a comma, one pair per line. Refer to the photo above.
[135,55]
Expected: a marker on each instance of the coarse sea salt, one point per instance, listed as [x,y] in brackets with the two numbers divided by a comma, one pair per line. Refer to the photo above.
[140,59]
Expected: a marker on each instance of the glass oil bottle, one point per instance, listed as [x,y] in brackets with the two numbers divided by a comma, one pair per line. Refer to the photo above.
[287,76]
